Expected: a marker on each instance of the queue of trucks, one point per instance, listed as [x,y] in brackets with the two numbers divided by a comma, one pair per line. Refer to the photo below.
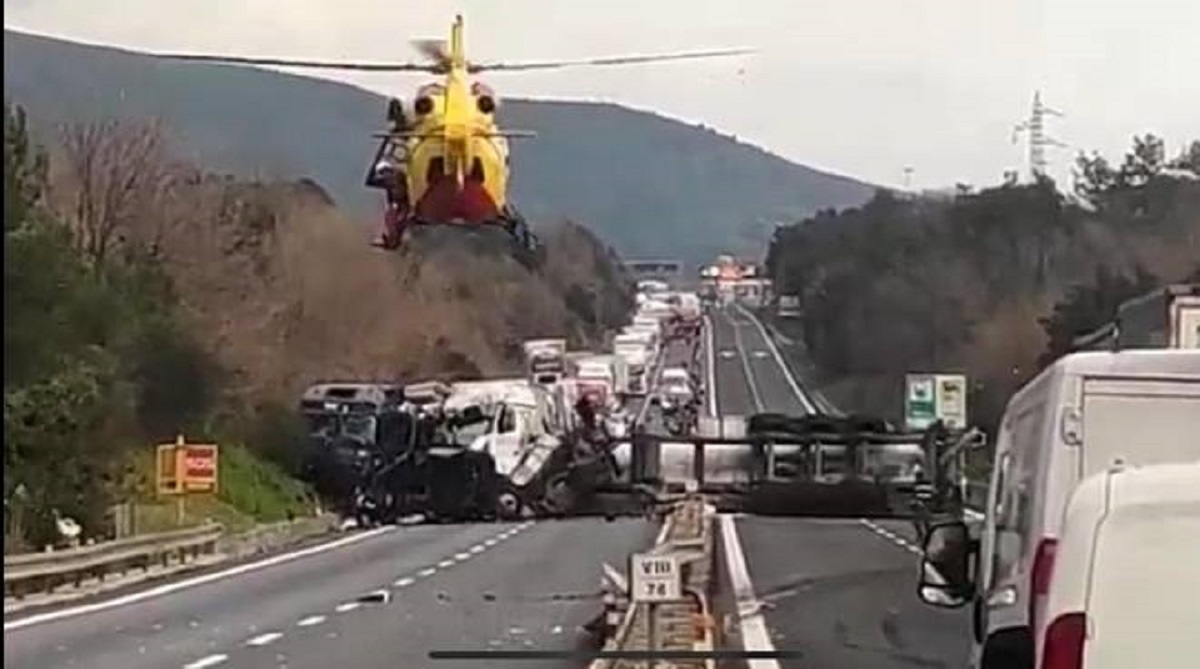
[498,448]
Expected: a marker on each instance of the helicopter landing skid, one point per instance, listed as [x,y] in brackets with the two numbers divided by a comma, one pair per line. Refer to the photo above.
[397,228]
[514,223]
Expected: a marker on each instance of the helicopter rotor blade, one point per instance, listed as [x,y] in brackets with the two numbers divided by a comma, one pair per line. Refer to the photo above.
[433,49]
[614,60]
[312,64]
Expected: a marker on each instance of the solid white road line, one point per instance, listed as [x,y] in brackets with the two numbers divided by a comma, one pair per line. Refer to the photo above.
[205,662]
[710,371]
[168,588]
[787,372]
[750,619]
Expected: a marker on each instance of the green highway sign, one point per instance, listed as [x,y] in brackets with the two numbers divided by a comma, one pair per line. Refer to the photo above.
[932,397]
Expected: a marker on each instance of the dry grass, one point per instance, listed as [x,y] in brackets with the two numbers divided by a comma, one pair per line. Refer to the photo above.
[307,298]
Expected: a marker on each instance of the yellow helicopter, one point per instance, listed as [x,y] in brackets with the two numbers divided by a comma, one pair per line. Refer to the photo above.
[447,164]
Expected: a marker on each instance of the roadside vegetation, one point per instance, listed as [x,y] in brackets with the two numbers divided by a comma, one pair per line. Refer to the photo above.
[994,283]
[145,297]
[98,366]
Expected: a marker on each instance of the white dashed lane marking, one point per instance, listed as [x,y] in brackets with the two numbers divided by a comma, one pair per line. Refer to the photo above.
[264,639]
[891,536]
[204,662]
[379,596]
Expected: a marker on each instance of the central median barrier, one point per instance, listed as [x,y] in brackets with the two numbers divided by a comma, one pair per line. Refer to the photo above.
[645,630]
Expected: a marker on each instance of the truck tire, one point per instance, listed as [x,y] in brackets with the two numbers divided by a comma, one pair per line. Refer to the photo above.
[559,497]
[509,505]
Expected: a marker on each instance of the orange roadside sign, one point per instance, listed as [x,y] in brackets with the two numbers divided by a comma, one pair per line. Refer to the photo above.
[182,468]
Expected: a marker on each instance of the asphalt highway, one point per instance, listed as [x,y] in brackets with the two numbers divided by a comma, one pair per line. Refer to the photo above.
[840,592]
[523,586]
[750,376]
[385,598]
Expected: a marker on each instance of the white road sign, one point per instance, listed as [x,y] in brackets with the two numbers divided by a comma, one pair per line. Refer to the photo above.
[655,578]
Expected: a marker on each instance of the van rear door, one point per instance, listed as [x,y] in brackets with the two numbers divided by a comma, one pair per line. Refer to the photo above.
[1139,421]
[1143,599]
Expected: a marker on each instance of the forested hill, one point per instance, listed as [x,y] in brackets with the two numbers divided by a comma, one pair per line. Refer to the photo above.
[995,283]
[646,184]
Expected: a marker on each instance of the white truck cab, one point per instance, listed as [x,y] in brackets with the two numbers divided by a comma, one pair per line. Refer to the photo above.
[634,349]
[595,375]
[1078,417]
[1125,587]
[525,424]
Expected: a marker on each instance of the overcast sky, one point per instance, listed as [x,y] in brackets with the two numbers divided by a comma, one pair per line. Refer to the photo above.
[860,87]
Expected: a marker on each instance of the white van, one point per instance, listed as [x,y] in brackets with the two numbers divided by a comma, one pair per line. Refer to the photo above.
[1078,417]
[1125,589]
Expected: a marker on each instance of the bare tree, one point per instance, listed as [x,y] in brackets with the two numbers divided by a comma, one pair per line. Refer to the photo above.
[118,179]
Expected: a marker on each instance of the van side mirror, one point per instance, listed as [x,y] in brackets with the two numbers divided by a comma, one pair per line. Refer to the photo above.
[946,580]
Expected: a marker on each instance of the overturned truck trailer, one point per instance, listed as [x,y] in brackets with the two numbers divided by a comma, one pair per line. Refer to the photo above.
[813,465]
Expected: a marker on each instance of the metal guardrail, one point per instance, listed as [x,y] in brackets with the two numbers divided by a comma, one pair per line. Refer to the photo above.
[29,573]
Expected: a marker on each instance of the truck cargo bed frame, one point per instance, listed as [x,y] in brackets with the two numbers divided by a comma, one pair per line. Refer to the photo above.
[791,471]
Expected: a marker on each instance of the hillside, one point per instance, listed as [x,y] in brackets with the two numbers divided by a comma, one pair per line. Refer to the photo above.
[995,284]
[145,296]
[647,184]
